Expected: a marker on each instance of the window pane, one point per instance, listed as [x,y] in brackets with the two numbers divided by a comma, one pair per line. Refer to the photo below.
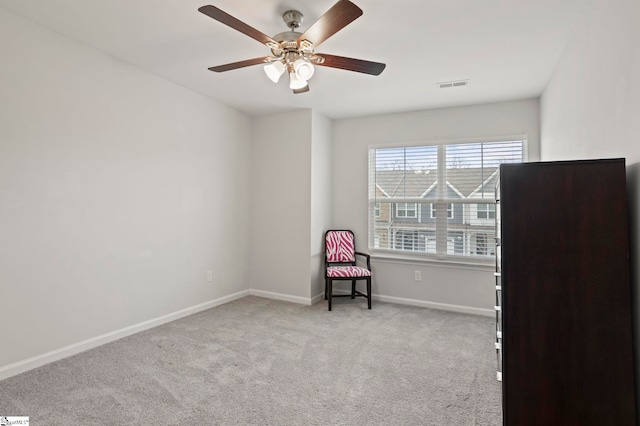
[404,172]
[472,168]
[482,211]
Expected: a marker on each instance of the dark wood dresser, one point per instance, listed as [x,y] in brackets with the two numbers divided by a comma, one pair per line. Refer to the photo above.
[565,304]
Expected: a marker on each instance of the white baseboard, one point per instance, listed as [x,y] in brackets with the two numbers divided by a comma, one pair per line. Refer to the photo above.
[427,304]
[435,305]
[40,360]
[287,298]
[280,296]
[317,298]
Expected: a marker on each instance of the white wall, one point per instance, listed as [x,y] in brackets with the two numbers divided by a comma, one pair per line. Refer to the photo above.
[118,190]
[591,109]
[321,197]
[281,204]
[291,204]
[456,287]
[591,106]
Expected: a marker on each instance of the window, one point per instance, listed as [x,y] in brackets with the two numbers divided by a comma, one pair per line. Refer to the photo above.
[406,210]
[448,192]
[449,211]
[486,211]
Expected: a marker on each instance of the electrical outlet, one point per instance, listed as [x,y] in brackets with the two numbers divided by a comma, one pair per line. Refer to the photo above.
[209,276]
[418,276]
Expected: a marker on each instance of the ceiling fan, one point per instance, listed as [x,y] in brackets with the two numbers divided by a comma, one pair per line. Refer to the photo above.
[292,51]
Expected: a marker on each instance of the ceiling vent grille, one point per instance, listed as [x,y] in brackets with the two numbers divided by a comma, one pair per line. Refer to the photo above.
[448,84]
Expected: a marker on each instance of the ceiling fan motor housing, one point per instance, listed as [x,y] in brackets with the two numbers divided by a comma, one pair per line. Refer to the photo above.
[288,42]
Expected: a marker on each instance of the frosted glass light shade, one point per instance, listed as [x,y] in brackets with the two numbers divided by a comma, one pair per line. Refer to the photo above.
[295,82]
[274,70]
[304,69]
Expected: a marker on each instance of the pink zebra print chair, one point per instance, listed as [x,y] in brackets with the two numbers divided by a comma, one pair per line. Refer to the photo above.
[340,264]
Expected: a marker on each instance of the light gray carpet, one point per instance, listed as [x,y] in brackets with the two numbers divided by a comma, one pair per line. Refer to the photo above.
[256,361]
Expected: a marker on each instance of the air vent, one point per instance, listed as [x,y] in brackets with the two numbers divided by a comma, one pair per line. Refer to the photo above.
[448,84]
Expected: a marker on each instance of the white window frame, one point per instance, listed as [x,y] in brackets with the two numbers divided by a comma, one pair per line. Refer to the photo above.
[443,242]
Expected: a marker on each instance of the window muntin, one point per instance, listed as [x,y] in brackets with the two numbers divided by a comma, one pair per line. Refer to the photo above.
[417,182]
[486,211]
[449,211]
[407,210]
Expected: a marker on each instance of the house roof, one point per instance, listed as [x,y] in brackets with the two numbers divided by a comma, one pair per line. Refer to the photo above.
[466,182]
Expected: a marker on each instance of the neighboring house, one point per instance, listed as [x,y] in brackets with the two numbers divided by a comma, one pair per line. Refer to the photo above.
[406,225]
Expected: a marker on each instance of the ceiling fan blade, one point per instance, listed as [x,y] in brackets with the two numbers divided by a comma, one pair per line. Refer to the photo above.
[236,24]
[339,16]
[303,90]
[349,64]
[241,64]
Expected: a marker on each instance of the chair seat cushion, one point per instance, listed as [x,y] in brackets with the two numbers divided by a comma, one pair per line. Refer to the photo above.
[347,271]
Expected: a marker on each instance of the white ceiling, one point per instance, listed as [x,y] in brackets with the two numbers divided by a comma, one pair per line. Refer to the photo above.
[508,49]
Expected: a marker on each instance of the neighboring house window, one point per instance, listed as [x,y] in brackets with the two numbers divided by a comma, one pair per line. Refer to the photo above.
[406,210]
[486,211]
[450,188]
[449,211]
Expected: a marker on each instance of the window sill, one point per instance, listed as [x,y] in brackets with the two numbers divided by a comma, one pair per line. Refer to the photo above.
[444,262]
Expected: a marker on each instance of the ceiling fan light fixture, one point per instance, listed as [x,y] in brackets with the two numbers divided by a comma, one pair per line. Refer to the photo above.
[296,83]
[292,51]
[274,70]
[304,69]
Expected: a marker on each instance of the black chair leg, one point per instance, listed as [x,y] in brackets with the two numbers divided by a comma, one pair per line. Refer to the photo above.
[353,289]
[330,285]
[369,291]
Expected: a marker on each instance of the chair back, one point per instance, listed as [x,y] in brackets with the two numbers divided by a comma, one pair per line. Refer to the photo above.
[340,246]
